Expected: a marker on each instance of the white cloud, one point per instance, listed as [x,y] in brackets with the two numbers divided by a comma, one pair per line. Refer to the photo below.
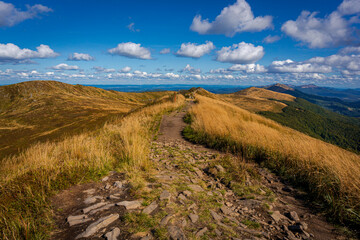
[103,70]
[131,50]
[242,53]
[219,71]
[348,50]
[131,27]
[349,7]
[233,19]
[195,51]
[172,75]
[125,69]
[12,53]
[165,51]
[332,30]
[271,39]
[248,68]
[64,66]
[289,66]
[10,16]
[190,69]
[80,57]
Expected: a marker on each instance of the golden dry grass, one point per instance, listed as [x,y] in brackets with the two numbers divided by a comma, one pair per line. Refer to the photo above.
[330,172]
[48,110]
[258,99]
[28,180]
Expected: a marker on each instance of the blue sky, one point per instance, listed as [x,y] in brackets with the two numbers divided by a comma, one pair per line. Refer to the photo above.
[238,42]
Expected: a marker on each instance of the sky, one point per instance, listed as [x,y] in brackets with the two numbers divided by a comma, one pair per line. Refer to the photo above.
[229,42]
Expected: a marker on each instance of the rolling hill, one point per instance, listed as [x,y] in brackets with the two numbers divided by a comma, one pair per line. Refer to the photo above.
[351,109]
[300,115]
[48,110]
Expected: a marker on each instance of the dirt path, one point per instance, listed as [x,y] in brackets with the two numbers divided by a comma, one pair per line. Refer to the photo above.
[188,197]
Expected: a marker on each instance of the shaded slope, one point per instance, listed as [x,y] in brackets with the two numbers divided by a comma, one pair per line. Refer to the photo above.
[351,109]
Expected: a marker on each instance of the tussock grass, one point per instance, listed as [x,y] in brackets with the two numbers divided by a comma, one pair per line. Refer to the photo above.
[330,174]
[28,179]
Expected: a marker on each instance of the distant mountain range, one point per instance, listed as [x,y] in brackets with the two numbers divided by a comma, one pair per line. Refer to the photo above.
[346,102]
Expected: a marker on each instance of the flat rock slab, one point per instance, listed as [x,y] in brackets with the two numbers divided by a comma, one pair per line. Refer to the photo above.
[193,217]
[176,233]
[277,216]
[166,219]
[196,188]
[107,206]
[90,200]
[201,232]
[151,208]
[130,205]
[98,205]
[216,216]
[165,195]
[113,234]
[74,220]
[99,224]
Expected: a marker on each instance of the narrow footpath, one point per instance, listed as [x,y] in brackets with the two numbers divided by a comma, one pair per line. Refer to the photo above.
[188,197]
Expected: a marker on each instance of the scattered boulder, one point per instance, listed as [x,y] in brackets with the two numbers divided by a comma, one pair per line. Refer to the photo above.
[277,216]
[98,205]
[294,216]
[216,216]
[225,210]
[107,206]
[193,217]
[201,232]
[118,184]
[105,179]
[165,220]
[176,233]
[130,205]
[90,200]
[165,195]
[74,220]
[151,208]
[196,188]
[113,234]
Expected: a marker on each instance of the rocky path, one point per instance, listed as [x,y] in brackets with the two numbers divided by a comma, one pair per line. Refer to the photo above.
[194,193]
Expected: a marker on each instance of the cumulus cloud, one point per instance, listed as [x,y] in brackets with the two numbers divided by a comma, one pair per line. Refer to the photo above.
[332,30]
[190,69]
[271,39]
[10,16]
[103,70]
[242,53]
[131,50]
[219,71]
[248,68]
[233,19]
[165,51]
[125,69]
[64,66]
[195,51]
[349,7]
[12,53]
[80,57]
[289,66]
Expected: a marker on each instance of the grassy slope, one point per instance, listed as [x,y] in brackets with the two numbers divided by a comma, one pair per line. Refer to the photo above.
[329,173]
[320,123]
[300,115]
[48,110]
[258,99]
[29,179]
[351,109]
